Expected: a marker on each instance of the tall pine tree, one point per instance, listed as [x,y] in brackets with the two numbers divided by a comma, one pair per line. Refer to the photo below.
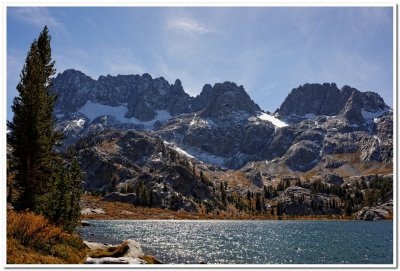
[32,134]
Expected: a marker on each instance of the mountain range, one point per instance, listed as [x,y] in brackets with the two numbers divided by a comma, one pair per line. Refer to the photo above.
[151,141]
[223,125]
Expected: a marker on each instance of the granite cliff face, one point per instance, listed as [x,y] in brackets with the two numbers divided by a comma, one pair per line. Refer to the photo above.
[141,95]
[224,127]
[152,172]
[326,99]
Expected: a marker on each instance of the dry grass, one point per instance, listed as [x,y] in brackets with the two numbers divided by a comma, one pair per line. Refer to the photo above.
[109,146]
[31,239]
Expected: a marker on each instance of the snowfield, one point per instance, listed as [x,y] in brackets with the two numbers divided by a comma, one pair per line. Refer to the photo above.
[372,115]
[179,150]
[275,121]
[94,110]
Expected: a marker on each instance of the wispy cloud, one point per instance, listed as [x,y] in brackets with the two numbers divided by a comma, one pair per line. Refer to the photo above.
[188,25]
[37,16]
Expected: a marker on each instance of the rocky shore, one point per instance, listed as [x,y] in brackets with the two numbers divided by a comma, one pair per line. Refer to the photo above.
[128,252]
[381,212]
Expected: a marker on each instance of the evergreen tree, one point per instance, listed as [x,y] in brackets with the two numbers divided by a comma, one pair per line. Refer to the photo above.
[61,203]
[279,209]
[32,134]
[258,203]
[75,182]
[222,189]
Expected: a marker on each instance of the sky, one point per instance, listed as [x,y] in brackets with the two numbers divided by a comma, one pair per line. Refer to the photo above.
[268,50]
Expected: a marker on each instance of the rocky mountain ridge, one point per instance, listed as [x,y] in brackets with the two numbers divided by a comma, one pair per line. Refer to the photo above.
[223,126]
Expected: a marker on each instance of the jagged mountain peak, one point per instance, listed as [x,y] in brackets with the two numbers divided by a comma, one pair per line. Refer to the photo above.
[352,109]
[326,99]
[142,98]
[72,72]
[227,98]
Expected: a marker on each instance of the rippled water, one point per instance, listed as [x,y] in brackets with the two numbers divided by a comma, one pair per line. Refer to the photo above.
[253,242]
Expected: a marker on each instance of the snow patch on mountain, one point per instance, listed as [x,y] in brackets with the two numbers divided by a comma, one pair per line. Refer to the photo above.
[378,139]
[179,150]
[200,122]
[372,115]
[310,116]
[94,110]
[75,125]
[275,121]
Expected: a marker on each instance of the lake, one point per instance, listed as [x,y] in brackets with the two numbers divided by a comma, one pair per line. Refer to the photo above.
[252,242]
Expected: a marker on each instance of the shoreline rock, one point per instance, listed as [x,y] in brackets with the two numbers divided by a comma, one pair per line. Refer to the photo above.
[85,223]
[376,213]
[128,252]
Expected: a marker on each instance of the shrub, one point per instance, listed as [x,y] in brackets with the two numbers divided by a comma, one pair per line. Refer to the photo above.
[32,239]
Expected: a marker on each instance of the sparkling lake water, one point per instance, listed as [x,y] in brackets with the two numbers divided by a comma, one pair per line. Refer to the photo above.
[252,242]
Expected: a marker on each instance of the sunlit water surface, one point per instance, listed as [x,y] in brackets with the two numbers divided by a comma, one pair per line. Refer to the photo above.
[253,242]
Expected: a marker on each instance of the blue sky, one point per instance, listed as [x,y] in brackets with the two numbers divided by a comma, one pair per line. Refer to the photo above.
[268,50]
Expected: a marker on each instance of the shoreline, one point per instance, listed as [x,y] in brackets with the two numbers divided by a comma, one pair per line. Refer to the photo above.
[95,209]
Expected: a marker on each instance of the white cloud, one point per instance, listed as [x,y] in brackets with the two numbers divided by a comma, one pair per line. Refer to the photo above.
[188,25]
[37,16]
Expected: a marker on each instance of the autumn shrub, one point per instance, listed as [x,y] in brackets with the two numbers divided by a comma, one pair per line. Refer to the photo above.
[32,239]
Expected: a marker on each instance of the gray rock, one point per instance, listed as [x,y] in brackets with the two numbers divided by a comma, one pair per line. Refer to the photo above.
[142,94]
[132,256]
[352,109]
[255,178]
[85,224]
[334,179]
[88,211]
[111,260]
[115,159]
[331,163]
[297,200]
[140,110]
[228,98]
[373,214]
[201,101]
[302,156]
[326,99]
[317,99]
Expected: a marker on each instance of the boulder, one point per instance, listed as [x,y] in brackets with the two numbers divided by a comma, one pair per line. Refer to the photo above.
[133,255]
[375,213]
[333,179]
[111,260]
[88,211]
[255,178]
[302,156]
[85,224]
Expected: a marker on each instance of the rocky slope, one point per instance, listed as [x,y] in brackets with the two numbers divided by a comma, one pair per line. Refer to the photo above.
[140,169]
